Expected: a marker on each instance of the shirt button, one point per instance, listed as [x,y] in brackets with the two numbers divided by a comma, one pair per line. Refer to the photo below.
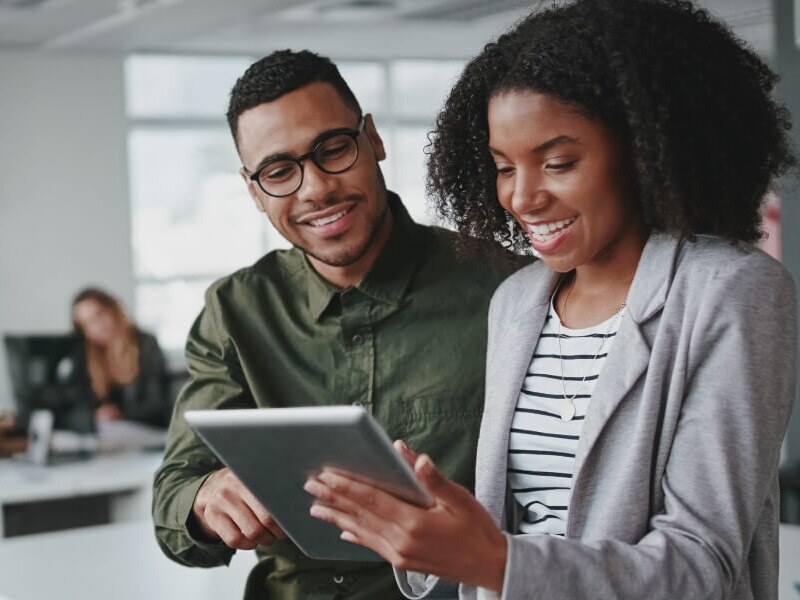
[338,579]
[357,339]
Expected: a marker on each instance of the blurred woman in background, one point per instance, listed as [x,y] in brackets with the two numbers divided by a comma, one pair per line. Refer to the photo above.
[125,365]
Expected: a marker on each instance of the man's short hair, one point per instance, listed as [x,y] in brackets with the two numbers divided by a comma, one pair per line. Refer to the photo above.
[282,72]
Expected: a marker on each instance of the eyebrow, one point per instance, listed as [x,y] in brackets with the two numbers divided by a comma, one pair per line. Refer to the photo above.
[544,147]
[289,155]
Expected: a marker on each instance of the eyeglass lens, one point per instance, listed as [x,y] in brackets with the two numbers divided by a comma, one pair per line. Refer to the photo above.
[333,155]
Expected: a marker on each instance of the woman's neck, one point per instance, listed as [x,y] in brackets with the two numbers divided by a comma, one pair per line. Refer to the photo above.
[596,291]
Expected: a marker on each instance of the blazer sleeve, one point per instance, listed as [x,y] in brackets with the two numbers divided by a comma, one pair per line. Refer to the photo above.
[722,466]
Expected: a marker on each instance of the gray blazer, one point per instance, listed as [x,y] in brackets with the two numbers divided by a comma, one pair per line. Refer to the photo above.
[675,489]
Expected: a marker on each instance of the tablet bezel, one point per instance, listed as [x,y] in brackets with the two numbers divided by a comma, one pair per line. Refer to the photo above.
[275,450]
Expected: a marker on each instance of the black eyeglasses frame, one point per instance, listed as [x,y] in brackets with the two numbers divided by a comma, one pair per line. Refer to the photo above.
[311,154]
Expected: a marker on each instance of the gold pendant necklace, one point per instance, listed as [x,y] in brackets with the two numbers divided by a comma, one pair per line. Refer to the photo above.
[568,409]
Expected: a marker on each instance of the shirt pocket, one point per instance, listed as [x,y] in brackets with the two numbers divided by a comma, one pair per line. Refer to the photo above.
[447,430]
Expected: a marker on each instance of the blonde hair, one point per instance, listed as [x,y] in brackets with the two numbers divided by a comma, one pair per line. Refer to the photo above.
[118,362]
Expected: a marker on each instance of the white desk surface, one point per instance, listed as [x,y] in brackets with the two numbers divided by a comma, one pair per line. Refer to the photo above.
[105,473]
[120,561]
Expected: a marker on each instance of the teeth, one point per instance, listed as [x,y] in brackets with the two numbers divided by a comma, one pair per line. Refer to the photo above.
[542,231]
[327,220]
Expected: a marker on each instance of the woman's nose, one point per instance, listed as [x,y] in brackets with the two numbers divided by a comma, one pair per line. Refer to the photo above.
[528,195]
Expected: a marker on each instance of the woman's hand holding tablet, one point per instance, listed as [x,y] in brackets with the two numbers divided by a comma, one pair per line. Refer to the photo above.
[271,453]
[412,537]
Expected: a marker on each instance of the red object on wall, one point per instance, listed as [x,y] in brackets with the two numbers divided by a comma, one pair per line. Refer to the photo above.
[771,242]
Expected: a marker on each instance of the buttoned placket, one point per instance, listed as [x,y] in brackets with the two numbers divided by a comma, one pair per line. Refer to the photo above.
[359,348]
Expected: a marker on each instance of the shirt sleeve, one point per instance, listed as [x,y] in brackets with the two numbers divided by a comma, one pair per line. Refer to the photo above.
[215,382]
[721,469]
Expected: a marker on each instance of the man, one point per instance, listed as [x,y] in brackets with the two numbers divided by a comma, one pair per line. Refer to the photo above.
[368,308]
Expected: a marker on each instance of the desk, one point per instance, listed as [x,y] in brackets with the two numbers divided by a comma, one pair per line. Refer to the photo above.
[120,561]
[126,477]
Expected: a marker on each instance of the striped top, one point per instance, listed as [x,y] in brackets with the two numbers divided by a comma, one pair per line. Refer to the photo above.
[542,447]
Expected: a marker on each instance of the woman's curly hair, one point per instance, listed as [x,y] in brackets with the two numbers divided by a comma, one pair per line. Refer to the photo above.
[690,103]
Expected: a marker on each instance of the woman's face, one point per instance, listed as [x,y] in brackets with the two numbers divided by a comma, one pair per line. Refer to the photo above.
[97,322]
[563,178]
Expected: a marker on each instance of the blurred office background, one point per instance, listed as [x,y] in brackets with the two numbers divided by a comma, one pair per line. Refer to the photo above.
[117,168]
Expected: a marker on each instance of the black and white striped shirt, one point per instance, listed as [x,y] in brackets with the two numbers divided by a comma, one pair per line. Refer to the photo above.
[542,447]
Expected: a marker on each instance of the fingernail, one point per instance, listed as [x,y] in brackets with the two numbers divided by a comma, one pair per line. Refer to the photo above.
[427,464]
[316,511]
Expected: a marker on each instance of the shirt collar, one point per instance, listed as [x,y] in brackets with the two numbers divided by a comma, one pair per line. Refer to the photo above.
[320,291]
[391,274]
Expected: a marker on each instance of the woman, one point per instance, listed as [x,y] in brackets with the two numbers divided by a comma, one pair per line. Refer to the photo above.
[640,376]
[125,365]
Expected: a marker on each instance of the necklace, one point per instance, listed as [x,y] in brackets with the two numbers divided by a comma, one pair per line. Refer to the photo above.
[568,406]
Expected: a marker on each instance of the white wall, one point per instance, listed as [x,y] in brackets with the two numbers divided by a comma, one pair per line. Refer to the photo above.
[64,217]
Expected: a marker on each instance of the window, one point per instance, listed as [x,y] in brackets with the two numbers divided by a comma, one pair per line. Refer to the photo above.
[191,217]
[417,90]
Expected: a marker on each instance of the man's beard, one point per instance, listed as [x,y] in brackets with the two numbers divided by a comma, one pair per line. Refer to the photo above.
[347,257]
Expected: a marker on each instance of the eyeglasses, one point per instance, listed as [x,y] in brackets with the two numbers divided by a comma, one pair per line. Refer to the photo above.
[334,153]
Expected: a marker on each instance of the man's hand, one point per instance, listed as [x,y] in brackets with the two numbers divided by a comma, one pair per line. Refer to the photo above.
[226,510]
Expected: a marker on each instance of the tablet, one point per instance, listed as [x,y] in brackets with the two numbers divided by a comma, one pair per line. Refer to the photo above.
[275,450]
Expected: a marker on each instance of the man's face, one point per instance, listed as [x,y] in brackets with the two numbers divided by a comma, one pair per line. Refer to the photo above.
[335,219]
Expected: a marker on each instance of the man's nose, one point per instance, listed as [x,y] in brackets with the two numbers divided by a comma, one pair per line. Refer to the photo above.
[317,184]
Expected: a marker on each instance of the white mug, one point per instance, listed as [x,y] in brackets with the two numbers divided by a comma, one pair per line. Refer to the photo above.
[40,432]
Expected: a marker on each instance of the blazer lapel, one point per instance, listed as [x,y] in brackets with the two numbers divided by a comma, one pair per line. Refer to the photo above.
[626,362]
[514,340]
[629,356]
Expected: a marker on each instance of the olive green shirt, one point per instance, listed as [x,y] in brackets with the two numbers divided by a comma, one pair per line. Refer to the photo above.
[407,343]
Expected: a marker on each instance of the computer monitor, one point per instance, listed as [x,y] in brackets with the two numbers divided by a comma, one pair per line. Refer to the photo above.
[49,372]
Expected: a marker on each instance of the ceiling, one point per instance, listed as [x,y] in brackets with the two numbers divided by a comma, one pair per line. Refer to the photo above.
[341,28]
